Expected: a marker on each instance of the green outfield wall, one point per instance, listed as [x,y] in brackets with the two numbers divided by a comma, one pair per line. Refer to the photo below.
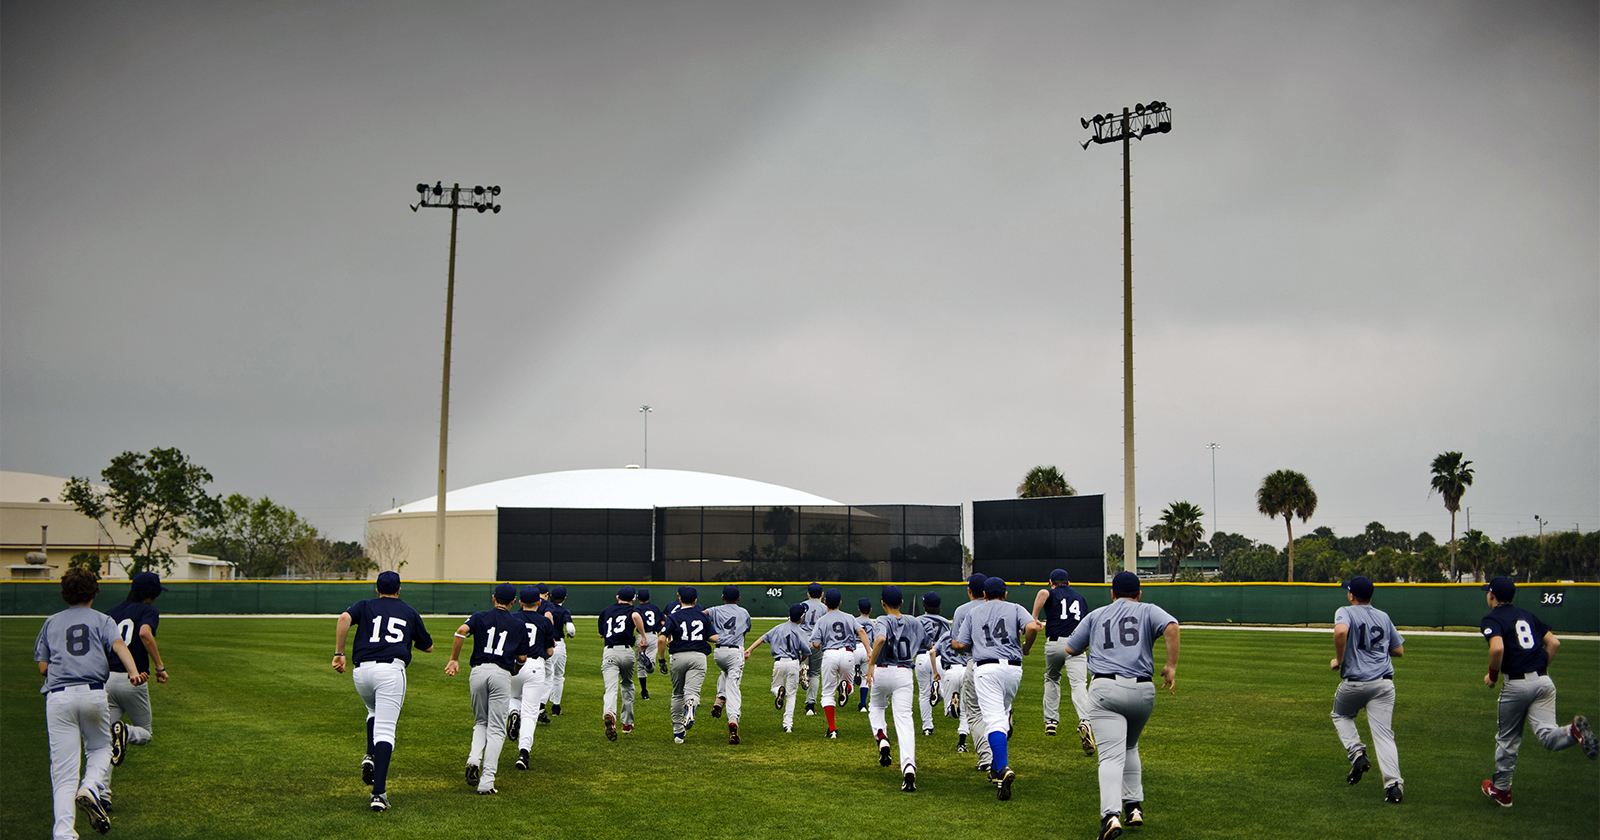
[1569,608]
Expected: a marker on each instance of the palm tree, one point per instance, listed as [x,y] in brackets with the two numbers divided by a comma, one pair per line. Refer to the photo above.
[1180,524]
[1287,493]
[1477,549]
[1451,478]
[1044,481]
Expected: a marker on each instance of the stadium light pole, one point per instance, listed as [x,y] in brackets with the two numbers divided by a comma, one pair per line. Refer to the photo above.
[1213,447]
[1142,120]
[454,199]
[645,410]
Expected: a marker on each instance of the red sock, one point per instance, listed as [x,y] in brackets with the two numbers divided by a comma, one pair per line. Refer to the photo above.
[828,710]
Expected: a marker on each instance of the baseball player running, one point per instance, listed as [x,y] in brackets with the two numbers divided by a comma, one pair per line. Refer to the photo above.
[998,634]
[1119,638]
[653,620]
[555,609]
[500,645]
[897,641]
[688,636]
[530,683]
[967,706]
[836,636]
[810,676]
[791,649]
[623,631]
[949,672]
[1523,646]
[936,627]
[1364,640]
[73,651]
[1063,608]
[137,619]
[865,624]
[732,622]
[387,628]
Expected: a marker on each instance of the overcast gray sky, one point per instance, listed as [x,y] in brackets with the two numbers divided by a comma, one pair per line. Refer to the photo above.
[849,247]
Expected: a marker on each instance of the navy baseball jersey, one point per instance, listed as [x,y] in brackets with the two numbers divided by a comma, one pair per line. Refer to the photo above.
[77,644]
[835,631]
[498,638]
[616,625]
[935,626]
[386,629]
[1062,612]
[654,618]
[903,638]
[689,630]
[1118,637]
[559,617]
[732,622]
[1523,634]
[130,616]
[1371,637]
[541,634]
[994,629]
[788,640]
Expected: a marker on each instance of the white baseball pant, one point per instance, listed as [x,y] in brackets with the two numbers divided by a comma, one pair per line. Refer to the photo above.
[890,682]
[730,674]
[77,718]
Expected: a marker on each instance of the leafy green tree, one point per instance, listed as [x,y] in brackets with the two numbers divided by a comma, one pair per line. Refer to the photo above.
[159,496]
[1451,478]
[1252,564]
[1476,549]
[86,560]
[1180,523]
[1287,493]
[1044,481]
[255,535]
[1423,541]
[1224,543]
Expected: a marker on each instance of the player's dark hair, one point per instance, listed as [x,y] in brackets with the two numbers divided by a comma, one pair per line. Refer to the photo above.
[79,585]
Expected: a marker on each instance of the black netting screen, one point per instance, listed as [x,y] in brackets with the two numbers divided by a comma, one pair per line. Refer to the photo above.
[574,544]
[1024,539]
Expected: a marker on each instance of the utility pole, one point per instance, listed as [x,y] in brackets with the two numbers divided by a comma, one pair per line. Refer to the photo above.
[1213,447]
[482,200]
[645,410]
[1154,118]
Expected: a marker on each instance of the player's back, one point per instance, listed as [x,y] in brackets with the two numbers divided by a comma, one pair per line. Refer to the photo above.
[1118,637]
[903,638]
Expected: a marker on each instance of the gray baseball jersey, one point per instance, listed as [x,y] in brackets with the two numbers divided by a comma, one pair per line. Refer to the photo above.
[77,644]
[994,629]
[936,626]
[732,622]
[1372,636]
[1118,637]
[957,619]
[868,624]
[903,638]
[835,631]
[788,640]
[814,610]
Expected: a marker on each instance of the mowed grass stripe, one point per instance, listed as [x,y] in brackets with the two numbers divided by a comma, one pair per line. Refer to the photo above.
[257,737]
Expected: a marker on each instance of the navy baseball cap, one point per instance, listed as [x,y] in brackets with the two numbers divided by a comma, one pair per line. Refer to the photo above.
[388,582]
[644,594]
[1360,587]
[931,599]
[1125,582]
[625,593]
[542,589]
[797,612]
[1503,588]
[975,583]
[891,596]
[1058,575]
[505,593]
[529,594]
[994,586]
[832,598]
[730,593]
[151,582]
[558,592]
[688,594]
[814,590]
[863,605]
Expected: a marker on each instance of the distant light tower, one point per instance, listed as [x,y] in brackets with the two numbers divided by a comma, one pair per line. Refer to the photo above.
[1154,118]
[1213,447]
[645,410]
[454,198]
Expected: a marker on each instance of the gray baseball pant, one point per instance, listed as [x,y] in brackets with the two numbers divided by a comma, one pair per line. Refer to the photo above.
[616,666]
[125,698]
[491,694]
[813,668]
[730,667]
[1119,707]
[786,673]
[1530,700]
[1377,697]
[1056,660]
[688,675]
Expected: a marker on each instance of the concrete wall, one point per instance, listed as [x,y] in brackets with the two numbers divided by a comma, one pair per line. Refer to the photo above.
[471,541]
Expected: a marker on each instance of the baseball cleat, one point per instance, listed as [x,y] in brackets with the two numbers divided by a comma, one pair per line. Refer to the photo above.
[811,710]
[677,737]
[369,770]
[611,727]
[1086,735]
[961,744]
[1358,765]
[488,792]
[955,705]
[380,802]
[105,802]
[783,694]
[1133,812]
[733,732]
[1050,727]
[119,742]
[883,753]
[522,759]
[1110,827]
[555,709]
[787,728]
[845,691]
[1006,779]
[716,708]
[927,732]
[1393,793]
[1501,797]
[861,709]
[805,679]
[1581,732]
[626,728]
[644,693]
[90,804]
[908,783]
[833,735]
[648,663]
[513,725]
[688,719]
[544,718]
[472,775]
[985,768]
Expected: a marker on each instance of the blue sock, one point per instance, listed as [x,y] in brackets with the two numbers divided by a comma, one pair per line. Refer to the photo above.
[380,775]
[864,694]
[997,745]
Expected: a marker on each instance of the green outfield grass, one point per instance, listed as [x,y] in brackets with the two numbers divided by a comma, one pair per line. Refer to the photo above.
[255,736]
